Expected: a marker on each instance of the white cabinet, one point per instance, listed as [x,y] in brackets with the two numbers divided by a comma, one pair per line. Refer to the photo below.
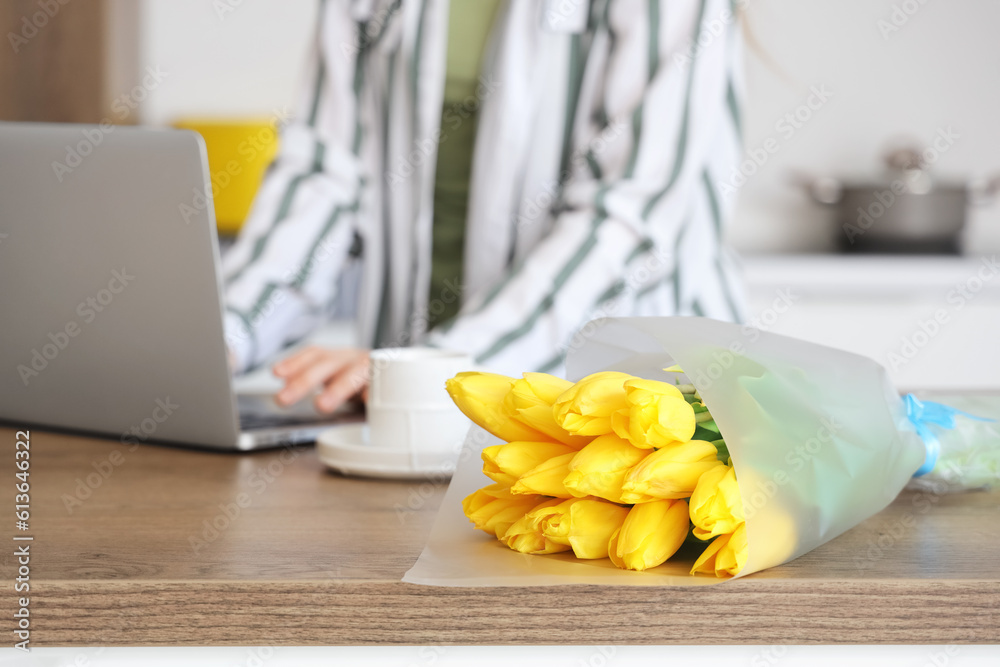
[934,322]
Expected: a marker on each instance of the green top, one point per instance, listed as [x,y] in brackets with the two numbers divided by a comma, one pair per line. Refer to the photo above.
[469,23]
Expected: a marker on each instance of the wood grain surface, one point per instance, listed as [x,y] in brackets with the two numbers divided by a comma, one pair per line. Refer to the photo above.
[54,70]
[154,545]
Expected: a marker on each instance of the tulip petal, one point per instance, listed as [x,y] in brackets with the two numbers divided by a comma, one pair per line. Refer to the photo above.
[545,387]
[480,396]
[586,407]
[504,514]
[585,524]
[591,524]
[506,463]
[553,521]
[491,470]
[539,417]
[613,550]
[716,504]
[725,556]
[652,533]
[530,401]
[659,415]
[600,468]
[671,472]
[705,563]
[620,423]
[525,535]
[493,509]
[546,479]
[483,496]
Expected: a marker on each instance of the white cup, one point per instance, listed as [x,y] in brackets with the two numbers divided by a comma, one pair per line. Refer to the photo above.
[408,406]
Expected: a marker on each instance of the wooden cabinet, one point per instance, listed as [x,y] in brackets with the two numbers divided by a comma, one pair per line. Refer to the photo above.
[66,61]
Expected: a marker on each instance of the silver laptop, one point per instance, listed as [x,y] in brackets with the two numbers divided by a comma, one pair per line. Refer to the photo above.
[110,295]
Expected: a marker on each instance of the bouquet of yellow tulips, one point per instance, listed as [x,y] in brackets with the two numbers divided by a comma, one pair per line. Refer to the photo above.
[613,466]
[763,448]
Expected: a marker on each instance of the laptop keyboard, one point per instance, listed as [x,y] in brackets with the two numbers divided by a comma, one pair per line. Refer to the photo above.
[259,412]
[251,421]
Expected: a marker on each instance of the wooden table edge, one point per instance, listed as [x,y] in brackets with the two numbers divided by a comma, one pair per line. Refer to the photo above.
[366,612]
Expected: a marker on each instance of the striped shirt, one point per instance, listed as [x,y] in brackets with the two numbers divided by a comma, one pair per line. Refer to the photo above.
[604,128]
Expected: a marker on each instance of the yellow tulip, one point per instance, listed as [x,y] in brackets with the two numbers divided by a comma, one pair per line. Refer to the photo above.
[716,504]
[494,508]
[671,472]
[600,468]
[584,524]
[480,396]
[587,406]
[652,533]
[725,556]
[530,400]
[525,534]
[657,415]
[505,463]
[546,478]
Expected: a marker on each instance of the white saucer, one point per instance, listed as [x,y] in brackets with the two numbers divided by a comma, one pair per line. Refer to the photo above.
[345,448]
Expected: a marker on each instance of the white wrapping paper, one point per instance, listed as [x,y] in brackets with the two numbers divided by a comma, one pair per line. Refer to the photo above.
[819,439]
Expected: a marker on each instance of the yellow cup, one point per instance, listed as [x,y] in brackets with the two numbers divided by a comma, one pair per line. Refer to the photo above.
[239,152]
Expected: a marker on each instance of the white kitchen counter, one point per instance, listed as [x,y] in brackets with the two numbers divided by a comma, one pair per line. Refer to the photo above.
[934,322]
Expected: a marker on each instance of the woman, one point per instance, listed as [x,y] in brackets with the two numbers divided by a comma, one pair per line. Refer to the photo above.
[601,128]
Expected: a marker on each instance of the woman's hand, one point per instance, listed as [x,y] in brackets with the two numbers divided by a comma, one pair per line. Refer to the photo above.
[342,372]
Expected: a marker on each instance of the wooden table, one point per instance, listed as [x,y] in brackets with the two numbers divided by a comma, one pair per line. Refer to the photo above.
[122,556]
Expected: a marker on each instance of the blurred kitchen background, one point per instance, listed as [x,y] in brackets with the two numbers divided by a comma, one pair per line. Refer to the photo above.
[832,88]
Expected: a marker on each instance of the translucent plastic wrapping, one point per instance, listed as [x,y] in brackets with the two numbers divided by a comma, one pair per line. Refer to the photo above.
[819,439]
[970,452]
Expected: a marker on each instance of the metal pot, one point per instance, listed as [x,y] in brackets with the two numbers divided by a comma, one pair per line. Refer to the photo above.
[906,212]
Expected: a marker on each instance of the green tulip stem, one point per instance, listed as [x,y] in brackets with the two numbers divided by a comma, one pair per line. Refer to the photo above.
[705,416]
[687,388]
[723,450]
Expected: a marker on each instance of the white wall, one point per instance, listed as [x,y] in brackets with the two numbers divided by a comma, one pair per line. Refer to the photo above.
[224,57]
[938,70]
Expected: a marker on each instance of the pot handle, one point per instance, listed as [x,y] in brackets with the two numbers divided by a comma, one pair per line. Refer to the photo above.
[823,190]
[983,191]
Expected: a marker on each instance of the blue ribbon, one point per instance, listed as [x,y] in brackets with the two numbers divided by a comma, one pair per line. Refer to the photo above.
[924,413]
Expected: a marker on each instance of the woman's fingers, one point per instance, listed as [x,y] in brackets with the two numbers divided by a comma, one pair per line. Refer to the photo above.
[351,379]
[293,364]
[319,370]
